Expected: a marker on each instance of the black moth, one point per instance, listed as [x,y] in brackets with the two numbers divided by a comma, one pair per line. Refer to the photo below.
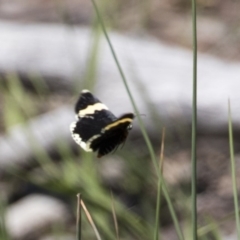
[96,128]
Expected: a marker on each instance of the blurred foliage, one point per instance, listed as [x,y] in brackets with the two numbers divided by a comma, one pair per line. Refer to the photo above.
[70,170]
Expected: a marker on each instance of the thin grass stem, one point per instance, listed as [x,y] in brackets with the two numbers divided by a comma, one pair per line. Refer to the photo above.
[194,123]
[233,170]
[125,84]
[156,234]
[210,227]
[143,130]
[79,217]
[115,217]
[90,220]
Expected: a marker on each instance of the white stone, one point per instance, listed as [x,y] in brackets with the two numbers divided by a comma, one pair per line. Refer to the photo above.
[34,213]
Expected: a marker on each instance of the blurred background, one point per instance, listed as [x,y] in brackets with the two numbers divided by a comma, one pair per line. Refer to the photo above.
[52,49]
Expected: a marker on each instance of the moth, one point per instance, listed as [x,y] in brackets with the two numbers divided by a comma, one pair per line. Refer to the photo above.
[97,129]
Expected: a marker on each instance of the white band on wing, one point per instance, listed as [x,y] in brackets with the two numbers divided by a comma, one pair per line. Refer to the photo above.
[91,109]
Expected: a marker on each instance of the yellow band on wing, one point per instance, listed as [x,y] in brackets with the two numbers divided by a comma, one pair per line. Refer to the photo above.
[117,123]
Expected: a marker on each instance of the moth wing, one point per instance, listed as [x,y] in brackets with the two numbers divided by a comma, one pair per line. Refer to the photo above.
[89,127]
[108,142]
[85,99]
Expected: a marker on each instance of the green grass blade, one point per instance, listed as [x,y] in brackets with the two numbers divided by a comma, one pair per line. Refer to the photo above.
[194,122]
[156,234]
[233,170]
[114,217]
[143,130]
[151,151]
[211,227]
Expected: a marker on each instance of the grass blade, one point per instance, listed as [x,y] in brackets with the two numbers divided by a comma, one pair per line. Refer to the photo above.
[90,220]
[156,235]
[79,217]
[143,130]
[194,123]
[125,84]
[233,170]
[115,218]
[211,227]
